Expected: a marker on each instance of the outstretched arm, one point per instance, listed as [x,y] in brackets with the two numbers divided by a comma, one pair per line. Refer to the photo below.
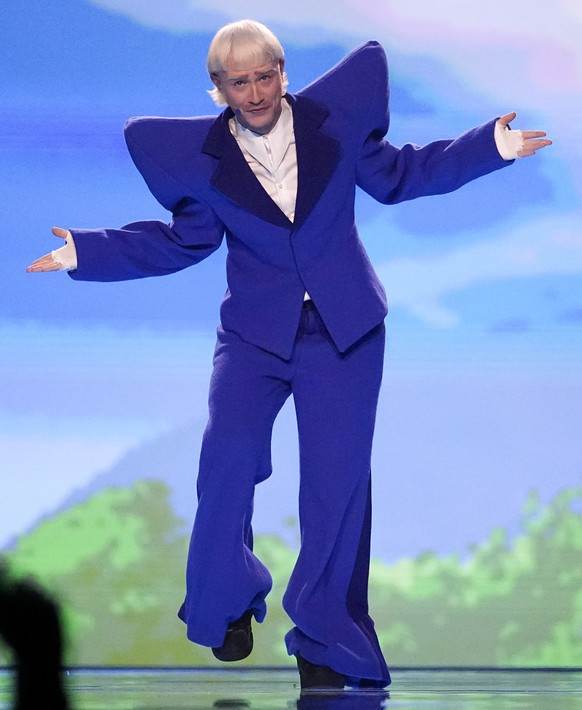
[139,249]
[391,174]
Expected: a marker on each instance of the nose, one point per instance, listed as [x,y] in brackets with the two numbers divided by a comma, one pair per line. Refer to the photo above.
[255,94]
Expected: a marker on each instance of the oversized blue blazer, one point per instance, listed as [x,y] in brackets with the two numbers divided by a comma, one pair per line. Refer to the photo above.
[195,169]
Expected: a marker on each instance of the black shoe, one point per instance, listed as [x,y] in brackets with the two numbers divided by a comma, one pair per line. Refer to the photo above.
[317,677]
[238,641]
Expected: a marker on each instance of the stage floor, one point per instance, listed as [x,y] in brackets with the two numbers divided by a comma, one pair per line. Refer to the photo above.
[277,689]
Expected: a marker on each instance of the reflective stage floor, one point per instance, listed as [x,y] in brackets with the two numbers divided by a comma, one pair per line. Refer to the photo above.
[278,689]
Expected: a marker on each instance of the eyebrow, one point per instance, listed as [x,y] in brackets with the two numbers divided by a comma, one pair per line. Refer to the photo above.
[246,76]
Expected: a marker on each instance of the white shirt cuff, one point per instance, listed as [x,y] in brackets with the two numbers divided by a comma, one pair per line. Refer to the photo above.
[508,142]
[66,256]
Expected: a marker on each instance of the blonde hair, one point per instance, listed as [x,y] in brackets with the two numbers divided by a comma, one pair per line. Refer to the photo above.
[246,44]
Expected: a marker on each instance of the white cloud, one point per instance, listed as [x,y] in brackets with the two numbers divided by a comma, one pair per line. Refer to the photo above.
[173,15]
[525,55]
[207,15]
[421,285]
[474,36]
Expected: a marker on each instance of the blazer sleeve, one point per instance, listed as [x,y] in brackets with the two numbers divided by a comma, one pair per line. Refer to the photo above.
[151,247]
[392,175]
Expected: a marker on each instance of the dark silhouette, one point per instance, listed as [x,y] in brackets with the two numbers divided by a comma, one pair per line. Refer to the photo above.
[30,626]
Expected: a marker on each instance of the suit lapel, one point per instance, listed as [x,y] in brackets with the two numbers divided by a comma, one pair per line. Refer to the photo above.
[234,178]
[317,156]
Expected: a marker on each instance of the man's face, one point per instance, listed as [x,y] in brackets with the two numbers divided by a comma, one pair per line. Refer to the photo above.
[253,94]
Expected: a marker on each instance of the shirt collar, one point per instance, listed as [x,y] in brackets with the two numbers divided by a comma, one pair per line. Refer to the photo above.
[269,149]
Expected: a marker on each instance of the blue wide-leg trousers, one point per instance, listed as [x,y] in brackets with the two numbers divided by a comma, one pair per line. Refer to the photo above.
[335,396]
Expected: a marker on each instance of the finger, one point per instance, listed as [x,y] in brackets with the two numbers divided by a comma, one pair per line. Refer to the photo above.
[59,232]
[532,147]
[507,119]
[536,144]
[38,268]
[533,134]
[45,263]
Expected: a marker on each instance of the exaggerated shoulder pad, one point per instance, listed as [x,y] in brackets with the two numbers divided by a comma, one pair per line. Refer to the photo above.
[357,86]
[166,151]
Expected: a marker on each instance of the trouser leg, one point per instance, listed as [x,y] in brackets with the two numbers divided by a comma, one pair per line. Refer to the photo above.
[335,397]
[223,577]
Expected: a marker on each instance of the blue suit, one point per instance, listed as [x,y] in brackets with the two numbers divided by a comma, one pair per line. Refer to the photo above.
[327,354]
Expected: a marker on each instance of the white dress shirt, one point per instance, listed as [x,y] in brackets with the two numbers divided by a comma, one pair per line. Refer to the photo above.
[273,158]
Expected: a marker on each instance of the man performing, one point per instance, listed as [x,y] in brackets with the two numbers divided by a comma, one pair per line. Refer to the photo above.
[303,315]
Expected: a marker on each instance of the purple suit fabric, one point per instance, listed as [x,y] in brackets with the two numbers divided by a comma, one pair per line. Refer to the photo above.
[335,396]
[195,169]
[328,355]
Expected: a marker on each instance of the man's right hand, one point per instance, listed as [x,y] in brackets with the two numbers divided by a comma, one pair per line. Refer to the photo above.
[48,262]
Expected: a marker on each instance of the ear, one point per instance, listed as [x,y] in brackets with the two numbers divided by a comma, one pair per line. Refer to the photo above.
[216,81]
[281,65]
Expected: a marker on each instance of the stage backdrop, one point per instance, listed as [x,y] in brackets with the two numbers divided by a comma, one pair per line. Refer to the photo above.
[477,538]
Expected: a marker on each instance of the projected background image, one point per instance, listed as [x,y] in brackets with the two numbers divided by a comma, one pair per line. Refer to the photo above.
[477,538]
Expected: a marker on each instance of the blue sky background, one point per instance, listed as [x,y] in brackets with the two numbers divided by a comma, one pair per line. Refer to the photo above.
[481,401]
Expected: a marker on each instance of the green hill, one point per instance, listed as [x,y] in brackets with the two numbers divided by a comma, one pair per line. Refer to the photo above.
[116,562]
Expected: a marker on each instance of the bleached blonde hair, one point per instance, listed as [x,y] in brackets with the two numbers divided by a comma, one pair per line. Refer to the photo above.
[246,44]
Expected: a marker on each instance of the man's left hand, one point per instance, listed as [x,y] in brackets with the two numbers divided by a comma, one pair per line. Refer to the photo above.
[532,140]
